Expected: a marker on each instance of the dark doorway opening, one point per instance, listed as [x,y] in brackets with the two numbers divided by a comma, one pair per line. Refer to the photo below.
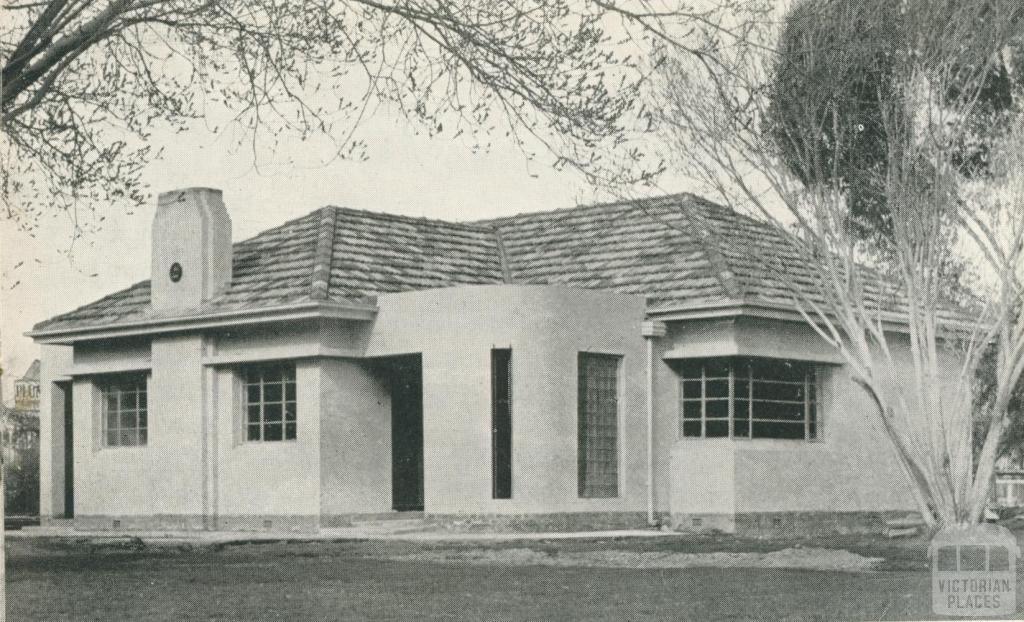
[405,380]
[69,450]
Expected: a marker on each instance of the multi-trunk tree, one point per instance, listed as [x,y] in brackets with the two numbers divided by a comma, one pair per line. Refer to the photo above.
[864,129]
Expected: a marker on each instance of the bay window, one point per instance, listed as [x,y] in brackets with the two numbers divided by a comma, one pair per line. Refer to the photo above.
[749,398]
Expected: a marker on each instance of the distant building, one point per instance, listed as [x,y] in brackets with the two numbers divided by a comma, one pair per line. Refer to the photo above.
[1009,488]
[26,389]
[20,445]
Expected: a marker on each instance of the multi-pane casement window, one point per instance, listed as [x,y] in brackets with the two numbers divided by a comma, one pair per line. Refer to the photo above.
[270,402]
[124,411]
[748,398]
[598,425]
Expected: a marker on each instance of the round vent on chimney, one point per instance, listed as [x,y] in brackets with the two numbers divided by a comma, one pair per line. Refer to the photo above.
[175,272]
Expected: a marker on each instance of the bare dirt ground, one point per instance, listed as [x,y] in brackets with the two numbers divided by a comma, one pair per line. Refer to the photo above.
[704,578]
[812,558]
[594,579]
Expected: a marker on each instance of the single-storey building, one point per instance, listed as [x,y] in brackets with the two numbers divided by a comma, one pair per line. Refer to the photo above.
[600,366]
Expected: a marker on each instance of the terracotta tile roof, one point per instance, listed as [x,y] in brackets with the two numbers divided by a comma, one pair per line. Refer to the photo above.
[650,247]
[675,250]
[378,253]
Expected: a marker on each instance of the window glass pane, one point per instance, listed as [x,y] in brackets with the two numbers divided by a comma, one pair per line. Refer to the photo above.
[717,428]
[972,557]
[289,411]
[254,432]
[142,436]
[691,368]
[691,429]
[778,391]
[272,432]
[142,418]
[111,401]
[273,392]
[289,431]
[775,410]
[946,558]
[112,438]
[272,412]
[128,419]
[741,428]
[128,400]
[691,388]
[772,369]
[717,388]
[253,393]
[717,409]
[691,409]
[142,399]
[271,374]
[128,437]
[812,431]
[771,429]
[717,368]
[742,388]
[289,391]
[741,410]
[998,558]
[254,413]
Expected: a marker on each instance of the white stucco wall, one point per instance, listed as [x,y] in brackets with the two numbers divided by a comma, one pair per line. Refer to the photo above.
[546,327]
[850,468]
[268,479]
[56,364]
[164,476]
[355,440]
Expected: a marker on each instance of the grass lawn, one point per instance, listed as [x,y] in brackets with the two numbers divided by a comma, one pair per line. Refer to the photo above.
[49,580]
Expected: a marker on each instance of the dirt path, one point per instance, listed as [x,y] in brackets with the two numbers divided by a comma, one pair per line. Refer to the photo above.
[809,558]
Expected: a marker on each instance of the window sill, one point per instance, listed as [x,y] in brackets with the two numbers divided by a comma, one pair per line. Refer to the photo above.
[789,442]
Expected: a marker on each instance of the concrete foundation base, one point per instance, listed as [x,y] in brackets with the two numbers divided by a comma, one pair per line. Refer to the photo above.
[787,523]
[563,521]
[178,522]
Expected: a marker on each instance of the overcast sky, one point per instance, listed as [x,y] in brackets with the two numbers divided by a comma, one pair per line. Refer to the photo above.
[405,174]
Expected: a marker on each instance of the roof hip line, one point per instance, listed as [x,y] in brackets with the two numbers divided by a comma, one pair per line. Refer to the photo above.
[321,277]
[506,273]
[720,265]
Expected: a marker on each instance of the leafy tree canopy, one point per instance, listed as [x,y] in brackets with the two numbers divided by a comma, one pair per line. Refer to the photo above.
[834,70]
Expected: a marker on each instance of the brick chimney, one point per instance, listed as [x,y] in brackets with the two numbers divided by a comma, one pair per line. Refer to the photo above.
[191,248]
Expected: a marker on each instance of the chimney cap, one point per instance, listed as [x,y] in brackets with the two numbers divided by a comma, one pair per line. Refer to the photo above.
[174,196]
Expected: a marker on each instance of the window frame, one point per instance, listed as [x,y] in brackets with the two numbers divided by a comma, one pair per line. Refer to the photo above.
[287,372]
[501,423]
[809,389]
[115,386]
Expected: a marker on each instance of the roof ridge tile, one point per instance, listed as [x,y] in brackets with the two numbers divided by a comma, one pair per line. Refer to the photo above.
[320,280]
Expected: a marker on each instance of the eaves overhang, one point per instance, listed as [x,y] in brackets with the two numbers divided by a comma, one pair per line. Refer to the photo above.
[891,321]
[203,321]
